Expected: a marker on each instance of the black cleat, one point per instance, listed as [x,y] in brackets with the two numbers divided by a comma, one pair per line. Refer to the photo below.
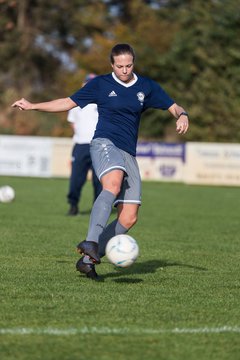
[89,248]
[88,269]
[73,211]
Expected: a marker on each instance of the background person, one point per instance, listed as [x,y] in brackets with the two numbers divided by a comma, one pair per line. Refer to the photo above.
[83,122]
[121,97]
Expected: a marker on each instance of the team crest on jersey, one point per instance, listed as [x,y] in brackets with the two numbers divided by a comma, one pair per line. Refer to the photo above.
[141,96]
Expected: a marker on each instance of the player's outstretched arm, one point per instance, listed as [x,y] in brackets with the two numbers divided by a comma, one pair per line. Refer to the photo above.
[182,123]
[57,105]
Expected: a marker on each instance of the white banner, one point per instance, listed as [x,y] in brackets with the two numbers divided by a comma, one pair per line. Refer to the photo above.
[25,156]
[192,163]
[212,163]
[61,157]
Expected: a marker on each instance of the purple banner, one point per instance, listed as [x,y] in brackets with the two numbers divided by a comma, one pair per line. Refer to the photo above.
[159,149]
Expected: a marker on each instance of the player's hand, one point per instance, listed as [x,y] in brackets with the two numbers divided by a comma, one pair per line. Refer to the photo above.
[22,104]
[182,124]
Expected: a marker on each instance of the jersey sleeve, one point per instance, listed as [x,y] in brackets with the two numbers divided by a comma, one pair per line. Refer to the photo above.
[88,94]
[158,98]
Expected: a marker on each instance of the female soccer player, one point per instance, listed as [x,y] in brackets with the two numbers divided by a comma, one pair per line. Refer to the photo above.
[121,97]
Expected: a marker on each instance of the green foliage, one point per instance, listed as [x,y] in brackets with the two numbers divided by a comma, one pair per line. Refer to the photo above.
[203,63]
[190,47]
[186,277]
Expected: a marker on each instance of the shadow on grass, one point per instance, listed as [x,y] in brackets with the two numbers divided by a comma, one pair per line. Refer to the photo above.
[145,268]
[139,268]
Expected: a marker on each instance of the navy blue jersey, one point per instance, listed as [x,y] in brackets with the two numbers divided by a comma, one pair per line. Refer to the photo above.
[120,106]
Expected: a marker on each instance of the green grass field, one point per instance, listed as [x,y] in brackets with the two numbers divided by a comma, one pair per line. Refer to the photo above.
[179,301]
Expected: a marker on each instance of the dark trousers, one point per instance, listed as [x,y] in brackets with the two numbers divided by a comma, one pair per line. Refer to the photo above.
[81,164]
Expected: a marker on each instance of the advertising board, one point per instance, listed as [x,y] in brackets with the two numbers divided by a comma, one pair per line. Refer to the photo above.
[25,156]
[161,161]
[212,164]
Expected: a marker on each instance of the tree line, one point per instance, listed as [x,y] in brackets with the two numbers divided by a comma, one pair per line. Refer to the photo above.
[191,47]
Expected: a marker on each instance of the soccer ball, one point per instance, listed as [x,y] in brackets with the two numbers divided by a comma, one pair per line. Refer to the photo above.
[122,250]
[7,194]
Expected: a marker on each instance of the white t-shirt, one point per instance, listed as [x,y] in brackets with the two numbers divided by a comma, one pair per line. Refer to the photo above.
[84,123]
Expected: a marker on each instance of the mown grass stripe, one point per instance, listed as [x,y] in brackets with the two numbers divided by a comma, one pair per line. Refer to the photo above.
[117,331]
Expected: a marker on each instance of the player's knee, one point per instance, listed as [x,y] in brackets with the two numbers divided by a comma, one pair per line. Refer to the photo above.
[128,220]
[114,187]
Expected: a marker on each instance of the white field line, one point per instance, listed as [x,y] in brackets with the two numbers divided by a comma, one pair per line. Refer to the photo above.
[117,331]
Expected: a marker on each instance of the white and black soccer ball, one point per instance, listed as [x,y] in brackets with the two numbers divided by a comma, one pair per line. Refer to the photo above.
[7,194]
[122,250]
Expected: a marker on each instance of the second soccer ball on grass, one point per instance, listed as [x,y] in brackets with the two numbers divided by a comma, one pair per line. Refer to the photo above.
[7,194]
[122,250]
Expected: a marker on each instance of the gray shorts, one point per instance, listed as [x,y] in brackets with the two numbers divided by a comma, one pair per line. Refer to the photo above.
[107,157]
